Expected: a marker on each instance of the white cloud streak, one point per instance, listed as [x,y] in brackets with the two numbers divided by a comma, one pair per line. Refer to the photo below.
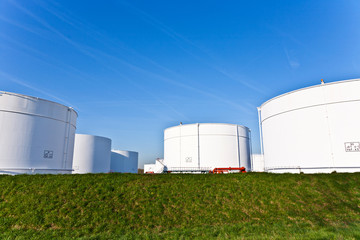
[94,54]
[23,83]
[175,36]
[292,60]
[181,39]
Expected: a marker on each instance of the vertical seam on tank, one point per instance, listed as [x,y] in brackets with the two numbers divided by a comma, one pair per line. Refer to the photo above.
[328,127]
[261,136]
[251,156]
[64,148]
[238,144]
[68,125]
[180,145]
[68,137]
[198,133]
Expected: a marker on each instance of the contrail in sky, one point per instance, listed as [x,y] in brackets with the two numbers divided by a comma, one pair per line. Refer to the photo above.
[45,24]
[11,78]
[40,56]
[157,98]
[179,38]
[86,51]
[293,62]
[177,83]
[168,31]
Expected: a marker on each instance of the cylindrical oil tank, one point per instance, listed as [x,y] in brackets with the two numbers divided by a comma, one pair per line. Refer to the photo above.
[124,161]
[257,163]
[313,130]
[149,168]
[36,135]
[158,167]
[91,154]
[207,145]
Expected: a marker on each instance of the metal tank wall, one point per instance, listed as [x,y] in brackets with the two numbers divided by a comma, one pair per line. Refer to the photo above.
[157,167]
[91,154]
[37,135]
[124,161]
[313,130]
[258,164]
[207,145]
[149,168]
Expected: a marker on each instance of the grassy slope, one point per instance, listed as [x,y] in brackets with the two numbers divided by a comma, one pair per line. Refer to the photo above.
[252,205]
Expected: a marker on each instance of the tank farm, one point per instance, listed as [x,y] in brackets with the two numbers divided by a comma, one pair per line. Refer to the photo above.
[309,130]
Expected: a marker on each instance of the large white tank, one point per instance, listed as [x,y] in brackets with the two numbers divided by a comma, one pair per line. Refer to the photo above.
[124,161]
[313,130]
[91,154]
[207,145]
[36,135]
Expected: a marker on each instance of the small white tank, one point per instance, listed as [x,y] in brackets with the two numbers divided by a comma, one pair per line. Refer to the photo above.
[258,164]
[149,168]
[36,135]
[158,167]
[124,161]
[91,154]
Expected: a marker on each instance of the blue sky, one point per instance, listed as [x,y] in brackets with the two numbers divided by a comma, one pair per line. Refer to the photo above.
[133,68]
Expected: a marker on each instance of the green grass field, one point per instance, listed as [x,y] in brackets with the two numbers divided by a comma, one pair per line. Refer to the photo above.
[130,206]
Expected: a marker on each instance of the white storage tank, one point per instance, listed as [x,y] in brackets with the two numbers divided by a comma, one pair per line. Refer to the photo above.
[149,168]
[124,161]
[207,145]
[313,130]
[258,164]
[158,167]
[91,154]
[36,135]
